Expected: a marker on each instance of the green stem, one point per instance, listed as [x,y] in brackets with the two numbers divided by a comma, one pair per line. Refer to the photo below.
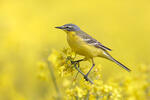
[87,96]
[54,80]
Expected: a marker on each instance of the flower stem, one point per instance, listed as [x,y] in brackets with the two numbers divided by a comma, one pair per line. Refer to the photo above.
[54,81]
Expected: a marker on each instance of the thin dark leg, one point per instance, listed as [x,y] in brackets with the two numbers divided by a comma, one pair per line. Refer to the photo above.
[77,61]
[93,64]
[87,79]
[77,72]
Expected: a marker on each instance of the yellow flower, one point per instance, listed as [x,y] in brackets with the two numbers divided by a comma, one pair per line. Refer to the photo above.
[79,92]
[129,87]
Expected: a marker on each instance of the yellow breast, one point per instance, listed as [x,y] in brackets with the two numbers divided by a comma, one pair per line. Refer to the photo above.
[80,47]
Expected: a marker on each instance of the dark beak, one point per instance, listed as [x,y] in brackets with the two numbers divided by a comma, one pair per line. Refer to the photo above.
[60,27]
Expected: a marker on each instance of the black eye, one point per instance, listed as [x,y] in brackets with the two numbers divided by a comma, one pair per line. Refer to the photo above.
[67,27]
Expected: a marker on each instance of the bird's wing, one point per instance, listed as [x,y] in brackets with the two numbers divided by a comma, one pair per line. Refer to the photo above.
[90,40]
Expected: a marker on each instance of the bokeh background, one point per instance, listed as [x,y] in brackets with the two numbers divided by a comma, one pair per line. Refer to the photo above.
[27,36]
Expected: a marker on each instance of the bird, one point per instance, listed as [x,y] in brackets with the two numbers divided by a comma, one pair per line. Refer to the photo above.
[85,45]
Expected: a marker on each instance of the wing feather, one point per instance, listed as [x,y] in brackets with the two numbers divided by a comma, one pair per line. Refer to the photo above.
[90,40]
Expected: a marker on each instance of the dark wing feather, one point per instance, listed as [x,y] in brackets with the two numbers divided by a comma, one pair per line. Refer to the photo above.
[87,38]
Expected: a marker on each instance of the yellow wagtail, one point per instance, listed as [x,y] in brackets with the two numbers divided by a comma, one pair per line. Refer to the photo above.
[83,44]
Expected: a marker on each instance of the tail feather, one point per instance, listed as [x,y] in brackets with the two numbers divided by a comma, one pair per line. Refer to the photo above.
[117,62]
[120,64]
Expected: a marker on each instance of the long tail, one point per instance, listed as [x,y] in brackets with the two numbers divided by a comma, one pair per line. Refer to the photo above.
[117,62]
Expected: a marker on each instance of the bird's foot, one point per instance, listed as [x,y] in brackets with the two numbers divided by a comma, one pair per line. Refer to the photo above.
[76,62]
[86,77]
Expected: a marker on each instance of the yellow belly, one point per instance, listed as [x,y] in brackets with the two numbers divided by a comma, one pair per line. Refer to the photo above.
[82,48]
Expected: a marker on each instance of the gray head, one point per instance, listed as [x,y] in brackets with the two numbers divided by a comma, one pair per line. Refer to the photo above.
[69,27]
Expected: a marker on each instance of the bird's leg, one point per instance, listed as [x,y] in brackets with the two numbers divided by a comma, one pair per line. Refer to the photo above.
[77,61]
[93,64]
[77,72]
[87,79]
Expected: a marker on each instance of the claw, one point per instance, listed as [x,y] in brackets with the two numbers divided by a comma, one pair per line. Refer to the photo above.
[86,77]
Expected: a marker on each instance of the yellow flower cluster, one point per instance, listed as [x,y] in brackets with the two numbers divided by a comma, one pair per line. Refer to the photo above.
[85,90]
[62,61]
[81,89]
[71,85]
[135,86]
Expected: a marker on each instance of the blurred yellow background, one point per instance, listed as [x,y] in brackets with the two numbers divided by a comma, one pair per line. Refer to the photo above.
[27,36]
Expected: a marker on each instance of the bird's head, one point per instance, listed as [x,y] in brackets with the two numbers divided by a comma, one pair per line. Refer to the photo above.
[69,27]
